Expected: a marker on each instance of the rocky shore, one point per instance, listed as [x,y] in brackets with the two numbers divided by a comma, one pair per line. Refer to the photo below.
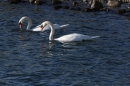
[82,5]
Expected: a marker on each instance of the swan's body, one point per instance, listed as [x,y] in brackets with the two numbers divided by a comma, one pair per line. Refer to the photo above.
[37,28]
[67,38]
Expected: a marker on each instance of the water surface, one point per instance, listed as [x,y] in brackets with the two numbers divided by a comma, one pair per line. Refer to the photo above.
[29,59]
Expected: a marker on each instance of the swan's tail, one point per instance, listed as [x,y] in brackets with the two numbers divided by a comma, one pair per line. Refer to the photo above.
[64,25]
[95,37]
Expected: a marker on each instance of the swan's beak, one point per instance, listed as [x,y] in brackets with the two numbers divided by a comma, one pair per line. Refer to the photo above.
[20,25]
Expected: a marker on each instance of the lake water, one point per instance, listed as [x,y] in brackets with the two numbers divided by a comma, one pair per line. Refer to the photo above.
[28,59]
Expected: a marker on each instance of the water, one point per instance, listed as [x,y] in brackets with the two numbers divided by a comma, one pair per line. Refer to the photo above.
[28,59]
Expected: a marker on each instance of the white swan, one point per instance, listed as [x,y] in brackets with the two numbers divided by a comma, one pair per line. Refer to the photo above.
[37,28]
[66,38]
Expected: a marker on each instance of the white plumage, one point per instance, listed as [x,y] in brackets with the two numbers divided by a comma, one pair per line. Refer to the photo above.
[37,28]
[67,38]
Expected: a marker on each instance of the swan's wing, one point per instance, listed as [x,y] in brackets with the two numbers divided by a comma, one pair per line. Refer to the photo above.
[37,28]
[71,37]
[75,37]
[64,25]
[57,26]
[47,27]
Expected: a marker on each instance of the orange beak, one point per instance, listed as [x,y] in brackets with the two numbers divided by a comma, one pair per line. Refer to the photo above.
[20,25]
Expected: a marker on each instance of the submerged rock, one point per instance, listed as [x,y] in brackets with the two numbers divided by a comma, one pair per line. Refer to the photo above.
[121,11]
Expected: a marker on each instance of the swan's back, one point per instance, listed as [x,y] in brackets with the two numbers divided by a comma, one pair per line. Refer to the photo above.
[75,37]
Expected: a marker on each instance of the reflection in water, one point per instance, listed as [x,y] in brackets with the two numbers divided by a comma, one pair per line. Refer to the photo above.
[25,35]
[51,44]
[46,49]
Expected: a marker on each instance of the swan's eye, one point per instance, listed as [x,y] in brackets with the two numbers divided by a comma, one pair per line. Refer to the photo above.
[42,26]
[20,23]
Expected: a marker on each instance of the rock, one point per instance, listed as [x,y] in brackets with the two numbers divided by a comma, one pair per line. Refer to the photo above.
[57,7]
[39,2]
[31,1]
[105,9]
[75,8]
[85,1]
[128,8]
[95,5]
[86,10]
[14,1]
[66,7]
[114,3]
[121,11]
[56,2]
[75,4]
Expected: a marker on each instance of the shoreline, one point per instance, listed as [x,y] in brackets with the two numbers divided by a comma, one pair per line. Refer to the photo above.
[81,6]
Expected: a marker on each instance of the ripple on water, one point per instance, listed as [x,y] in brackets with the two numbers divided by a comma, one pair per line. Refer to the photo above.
[28,58]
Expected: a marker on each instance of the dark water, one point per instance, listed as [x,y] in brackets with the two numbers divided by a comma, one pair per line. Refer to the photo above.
[28,59]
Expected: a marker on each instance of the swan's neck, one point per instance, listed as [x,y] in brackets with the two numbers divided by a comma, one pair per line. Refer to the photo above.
[52,31]
[29,22]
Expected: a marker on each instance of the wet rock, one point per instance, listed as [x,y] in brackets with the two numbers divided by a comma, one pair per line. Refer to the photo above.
[39,2]
[105,9]
[66,7]
[85,1]
[32,1]
[75,4]
[57,7]
[14,1]
[114,3]
[121,11]
[96,5]
[128,8]
[86,10]
[75,8]
[56,2]
[125,1]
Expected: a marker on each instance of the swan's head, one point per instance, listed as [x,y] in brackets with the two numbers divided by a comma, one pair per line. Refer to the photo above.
[22,20]
[20,24]
[42,27]
[44,24]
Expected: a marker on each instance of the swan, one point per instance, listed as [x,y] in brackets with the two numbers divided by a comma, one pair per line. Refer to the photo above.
[66,38]
[37,28]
